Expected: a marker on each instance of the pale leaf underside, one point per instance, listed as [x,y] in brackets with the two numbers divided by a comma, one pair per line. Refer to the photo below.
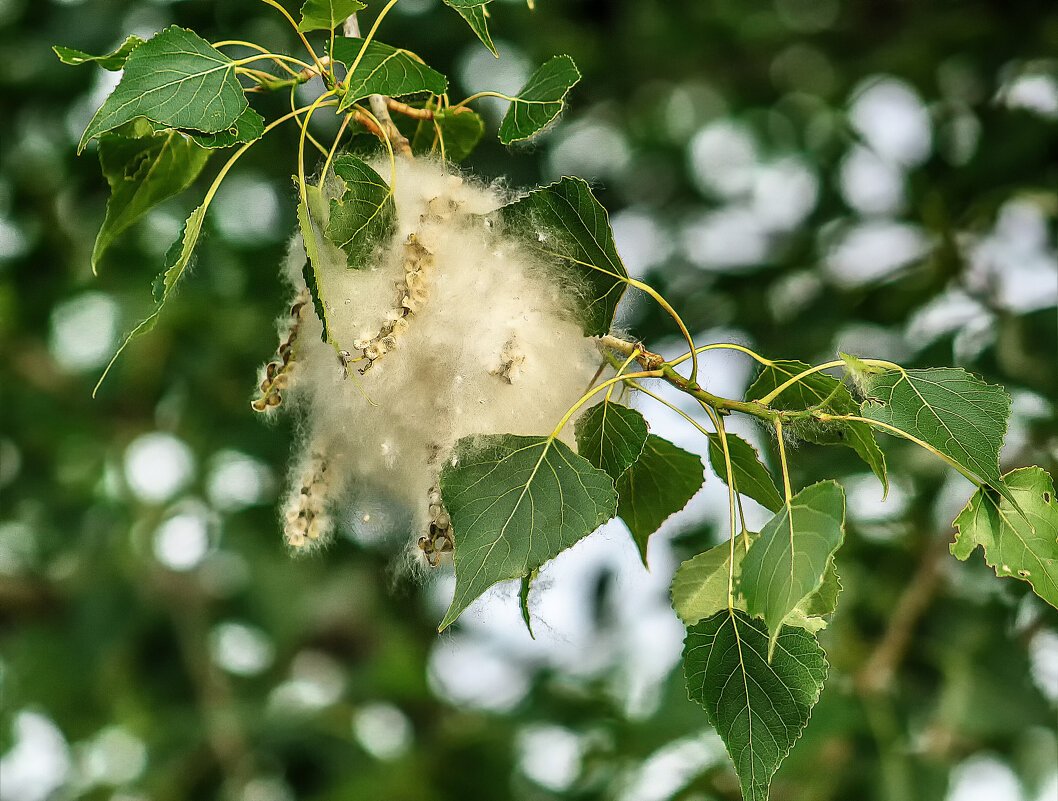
[789,560]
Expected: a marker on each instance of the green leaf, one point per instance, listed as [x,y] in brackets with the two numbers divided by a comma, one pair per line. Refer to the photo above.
[365,215]
[815,611]
[788,562]
[565,222]
[758,707]
[476,16]
[611,437]
[1019,541]
[523,600]
[143,169]
[827,392]
[247,128]
[515,503]
[384,70]
[308,221]
[700,585]
[751,476]
[176,261]
[659,484]
[961,417]
[540,100]
[177,80]
[326,15]
[113,61]
[460,130]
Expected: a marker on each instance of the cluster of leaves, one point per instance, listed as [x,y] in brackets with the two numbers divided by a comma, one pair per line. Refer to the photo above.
[180,98]
[753,605]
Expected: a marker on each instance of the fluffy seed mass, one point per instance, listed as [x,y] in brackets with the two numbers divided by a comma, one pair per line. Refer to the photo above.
[454,329]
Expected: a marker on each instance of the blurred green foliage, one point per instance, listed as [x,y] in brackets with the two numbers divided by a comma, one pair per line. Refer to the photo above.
[805,175]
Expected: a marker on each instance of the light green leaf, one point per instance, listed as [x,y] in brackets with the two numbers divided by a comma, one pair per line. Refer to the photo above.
[517,502]
[113,61]
[326,15]
[564,221]
[611,437]
[788,562]
[309,216]
[176,79]
[827,392]
[660,483]
[247,128]
[700,587]
[814,612]
[759,707]
[143,169]
[751,476]
[176,261]
[476,16]
[1019,544]
[384,70]
[540,100]
[961,417]
[365,215]
[460,129]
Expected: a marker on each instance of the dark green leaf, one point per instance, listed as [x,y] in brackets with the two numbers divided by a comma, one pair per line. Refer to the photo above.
[564,221]
[517,502]
[611,437]
[113,61]
[248,127]
[955,413]
[1018,541]
[175,79]
[459,130]
[364,216]
[751,476]
[787,563]
[384,70]
[660,483]
[476,16]
[758,707]
[540,100]
[143,169]
[318,15]
[827,392]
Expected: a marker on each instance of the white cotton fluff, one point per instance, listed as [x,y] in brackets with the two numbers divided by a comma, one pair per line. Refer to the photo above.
[493,347]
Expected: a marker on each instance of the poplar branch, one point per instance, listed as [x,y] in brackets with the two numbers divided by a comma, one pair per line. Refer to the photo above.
[654,361]
[379,104]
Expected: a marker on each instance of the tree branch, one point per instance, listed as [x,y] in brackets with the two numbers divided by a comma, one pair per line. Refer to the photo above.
[884,661]
[380,104]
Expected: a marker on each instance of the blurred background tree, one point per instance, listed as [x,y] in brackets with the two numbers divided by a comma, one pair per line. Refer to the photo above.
[800,175]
